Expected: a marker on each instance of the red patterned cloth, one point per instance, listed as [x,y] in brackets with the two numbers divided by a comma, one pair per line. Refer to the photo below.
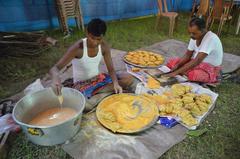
[90,87]
[204,72]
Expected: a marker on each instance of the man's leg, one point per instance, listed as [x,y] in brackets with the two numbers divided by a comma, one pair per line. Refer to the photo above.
[198,75]
[127,81]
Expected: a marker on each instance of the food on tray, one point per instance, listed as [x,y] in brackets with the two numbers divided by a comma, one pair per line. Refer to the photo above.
[144,58]
[135,69]
[179,89]
[180,101]
[152,83]
[126,112]
[160,99]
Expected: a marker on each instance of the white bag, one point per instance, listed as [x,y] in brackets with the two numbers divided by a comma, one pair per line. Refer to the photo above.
[33,87]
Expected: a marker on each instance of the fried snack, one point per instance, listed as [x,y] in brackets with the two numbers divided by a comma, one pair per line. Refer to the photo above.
[180,89]
[144,58]
[187,99]
[180,101]
[159,99]
[135,69]
[126,112]
[152,83]
[193,95]
[189,120]
[204,98]
[189,106]
[196,111]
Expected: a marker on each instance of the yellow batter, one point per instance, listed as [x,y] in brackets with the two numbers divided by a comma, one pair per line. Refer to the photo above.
[126,113]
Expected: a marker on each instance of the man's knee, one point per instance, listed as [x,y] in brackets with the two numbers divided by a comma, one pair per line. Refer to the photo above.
[125,78]
[127,81]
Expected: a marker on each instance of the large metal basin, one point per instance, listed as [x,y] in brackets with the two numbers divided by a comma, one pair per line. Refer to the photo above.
[32,104]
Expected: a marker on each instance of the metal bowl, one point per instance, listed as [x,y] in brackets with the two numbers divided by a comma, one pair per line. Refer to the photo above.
[32,104]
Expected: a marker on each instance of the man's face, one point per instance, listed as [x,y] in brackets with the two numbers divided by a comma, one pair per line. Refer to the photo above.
[194,32]
[94,41]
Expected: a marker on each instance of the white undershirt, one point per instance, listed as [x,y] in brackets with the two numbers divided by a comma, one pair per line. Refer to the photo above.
[86,67]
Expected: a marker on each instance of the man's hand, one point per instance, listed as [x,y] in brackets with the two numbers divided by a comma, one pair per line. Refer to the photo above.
[117,88]
[56,85]
[171,74]
[175,68]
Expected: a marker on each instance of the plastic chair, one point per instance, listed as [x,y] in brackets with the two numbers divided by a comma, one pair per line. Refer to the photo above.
[69,9]
[163,12]
[221,12]
[202,9]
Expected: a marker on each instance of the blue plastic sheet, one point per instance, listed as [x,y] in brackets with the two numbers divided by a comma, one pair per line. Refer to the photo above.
[28,15]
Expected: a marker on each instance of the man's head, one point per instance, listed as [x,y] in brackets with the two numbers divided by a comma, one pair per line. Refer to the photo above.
[197,28]
[96,29]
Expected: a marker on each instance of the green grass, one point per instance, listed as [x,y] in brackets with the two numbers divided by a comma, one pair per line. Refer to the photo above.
[221,141]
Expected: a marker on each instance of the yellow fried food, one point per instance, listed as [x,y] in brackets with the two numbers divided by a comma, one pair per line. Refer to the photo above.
[189,106]
[202,106]
[186,117]
[152,83]
[160,99]
[204,98]
[144,58]
[180,101]
[126,112]
[196,111]
[193,95]
[135,69]
[189,120]
[187,99]
[180,89]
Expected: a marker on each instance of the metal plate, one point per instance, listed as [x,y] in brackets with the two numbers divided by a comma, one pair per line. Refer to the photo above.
[147,126]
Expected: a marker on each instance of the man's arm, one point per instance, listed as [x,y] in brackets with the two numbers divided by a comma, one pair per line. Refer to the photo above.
[191,64]
[108,61]
[55,70]
[186,58]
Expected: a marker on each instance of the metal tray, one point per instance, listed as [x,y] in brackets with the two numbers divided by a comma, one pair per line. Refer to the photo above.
[149,125]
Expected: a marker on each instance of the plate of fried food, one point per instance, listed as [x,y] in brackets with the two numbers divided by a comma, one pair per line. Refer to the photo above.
[186,104]
[144,59]
[127,113]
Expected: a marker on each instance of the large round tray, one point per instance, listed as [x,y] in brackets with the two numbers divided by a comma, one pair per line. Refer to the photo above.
[148,125]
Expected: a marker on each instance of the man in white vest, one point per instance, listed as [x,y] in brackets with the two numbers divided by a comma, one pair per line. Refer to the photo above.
[203,59]
[85,56]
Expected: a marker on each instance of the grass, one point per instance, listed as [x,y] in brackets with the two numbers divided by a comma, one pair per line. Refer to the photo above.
[221,141]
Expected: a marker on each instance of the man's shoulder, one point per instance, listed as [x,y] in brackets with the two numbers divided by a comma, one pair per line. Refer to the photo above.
[104,45]
[77,48]
[212,36]
[79,44]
